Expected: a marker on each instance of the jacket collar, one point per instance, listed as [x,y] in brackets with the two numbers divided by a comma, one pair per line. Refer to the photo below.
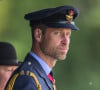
[39,69]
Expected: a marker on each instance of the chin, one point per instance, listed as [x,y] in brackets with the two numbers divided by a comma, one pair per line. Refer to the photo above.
[62,58]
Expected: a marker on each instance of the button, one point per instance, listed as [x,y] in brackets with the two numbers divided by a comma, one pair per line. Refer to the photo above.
[29,63]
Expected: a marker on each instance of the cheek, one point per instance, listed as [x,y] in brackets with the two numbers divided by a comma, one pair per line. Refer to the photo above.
[54,42]
[2,72]
[69,41]
[1,75]
[14,68]
[5,75]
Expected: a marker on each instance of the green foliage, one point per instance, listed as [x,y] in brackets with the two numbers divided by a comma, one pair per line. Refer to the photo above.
[80,70]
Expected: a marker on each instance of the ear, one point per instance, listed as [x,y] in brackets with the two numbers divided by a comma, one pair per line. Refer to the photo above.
[38,34]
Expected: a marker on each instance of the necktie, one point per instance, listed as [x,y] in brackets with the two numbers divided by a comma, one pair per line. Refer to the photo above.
[50,76]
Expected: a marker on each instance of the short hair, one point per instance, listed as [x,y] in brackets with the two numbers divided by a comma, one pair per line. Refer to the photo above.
[42,27]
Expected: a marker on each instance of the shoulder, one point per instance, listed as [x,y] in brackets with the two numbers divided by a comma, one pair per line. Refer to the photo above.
[24,80]
[23,77]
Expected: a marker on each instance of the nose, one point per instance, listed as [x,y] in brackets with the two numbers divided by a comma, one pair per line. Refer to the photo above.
[65,39]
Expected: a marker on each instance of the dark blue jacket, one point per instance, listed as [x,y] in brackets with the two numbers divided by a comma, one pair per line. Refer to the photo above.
[23,81]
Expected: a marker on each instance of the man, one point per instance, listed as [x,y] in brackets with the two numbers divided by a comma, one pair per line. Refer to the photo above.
[51,31]
[8,62]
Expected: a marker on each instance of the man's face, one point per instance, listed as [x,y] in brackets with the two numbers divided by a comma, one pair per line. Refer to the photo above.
[55,42]
[5,73]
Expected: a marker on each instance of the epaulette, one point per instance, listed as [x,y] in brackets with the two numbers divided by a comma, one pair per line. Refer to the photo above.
[28,73]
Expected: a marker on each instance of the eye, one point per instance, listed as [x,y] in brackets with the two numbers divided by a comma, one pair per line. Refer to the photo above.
[56,32]
[68,34]
[8,70]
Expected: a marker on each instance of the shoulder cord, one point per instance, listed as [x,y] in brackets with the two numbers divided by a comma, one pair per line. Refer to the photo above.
[36,80]
[12,81]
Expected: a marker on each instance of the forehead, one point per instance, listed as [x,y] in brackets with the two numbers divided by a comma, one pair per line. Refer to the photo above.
[6,67]
[58,29]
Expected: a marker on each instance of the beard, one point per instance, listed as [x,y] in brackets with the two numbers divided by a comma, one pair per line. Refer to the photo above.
[53,52]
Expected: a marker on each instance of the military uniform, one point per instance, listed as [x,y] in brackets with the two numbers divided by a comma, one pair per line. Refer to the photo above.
[23,80]
[31,75]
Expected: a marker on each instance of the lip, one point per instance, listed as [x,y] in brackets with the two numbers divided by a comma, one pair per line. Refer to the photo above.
[63,50]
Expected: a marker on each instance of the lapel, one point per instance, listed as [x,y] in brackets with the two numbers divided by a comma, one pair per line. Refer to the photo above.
[39,70]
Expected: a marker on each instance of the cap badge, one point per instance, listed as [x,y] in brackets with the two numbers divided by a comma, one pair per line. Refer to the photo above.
[69,16]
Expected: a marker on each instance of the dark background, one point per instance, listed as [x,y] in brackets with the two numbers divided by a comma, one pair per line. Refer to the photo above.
[80,70]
